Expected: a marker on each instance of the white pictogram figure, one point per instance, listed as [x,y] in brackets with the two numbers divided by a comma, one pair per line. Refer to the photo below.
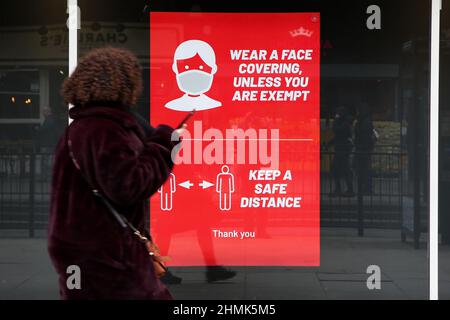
[166,191]
[225,187]
[194,64]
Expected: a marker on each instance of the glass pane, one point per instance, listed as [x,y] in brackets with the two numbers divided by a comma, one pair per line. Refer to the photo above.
[377,80]
[373,203]
[32,118]
[19,81]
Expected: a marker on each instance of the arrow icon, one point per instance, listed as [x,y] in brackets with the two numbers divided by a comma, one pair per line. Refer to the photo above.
[186,184]
[205,184]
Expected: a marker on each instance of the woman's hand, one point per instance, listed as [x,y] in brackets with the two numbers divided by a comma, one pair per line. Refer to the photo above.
[180,131]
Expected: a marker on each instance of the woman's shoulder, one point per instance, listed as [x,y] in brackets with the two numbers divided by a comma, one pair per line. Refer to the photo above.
[100,119]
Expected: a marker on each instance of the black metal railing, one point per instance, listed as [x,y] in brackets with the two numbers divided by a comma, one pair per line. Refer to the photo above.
[25,192]
[378,205]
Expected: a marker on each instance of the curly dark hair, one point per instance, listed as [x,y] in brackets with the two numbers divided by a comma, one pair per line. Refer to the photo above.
[104,75]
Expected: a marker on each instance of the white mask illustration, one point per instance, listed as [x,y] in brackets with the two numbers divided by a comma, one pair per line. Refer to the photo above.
[194,82]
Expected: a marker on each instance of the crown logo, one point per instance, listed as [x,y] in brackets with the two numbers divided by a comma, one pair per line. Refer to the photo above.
[301,32]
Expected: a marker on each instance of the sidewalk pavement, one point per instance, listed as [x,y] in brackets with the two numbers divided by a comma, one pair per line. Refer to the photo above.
[26,272]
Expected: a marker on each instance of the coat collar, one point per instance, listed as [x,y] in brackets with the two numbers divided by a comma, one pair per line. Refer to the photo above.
[119,113]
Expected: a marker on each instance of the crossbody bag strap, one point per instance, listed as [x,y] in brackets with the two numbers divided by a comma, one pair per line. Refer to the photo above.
[121,219]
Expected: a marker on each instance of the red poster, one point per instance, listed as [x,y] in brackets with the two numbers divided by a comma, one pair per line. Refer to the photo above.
[245,188]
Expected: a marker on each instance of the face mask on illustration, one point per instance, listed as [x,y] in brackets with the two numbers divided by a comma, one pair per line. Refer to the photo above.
[194,82]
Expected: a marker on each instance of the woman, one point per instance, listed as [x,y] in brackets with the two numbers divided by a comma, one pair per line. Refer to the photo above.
[126,163]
